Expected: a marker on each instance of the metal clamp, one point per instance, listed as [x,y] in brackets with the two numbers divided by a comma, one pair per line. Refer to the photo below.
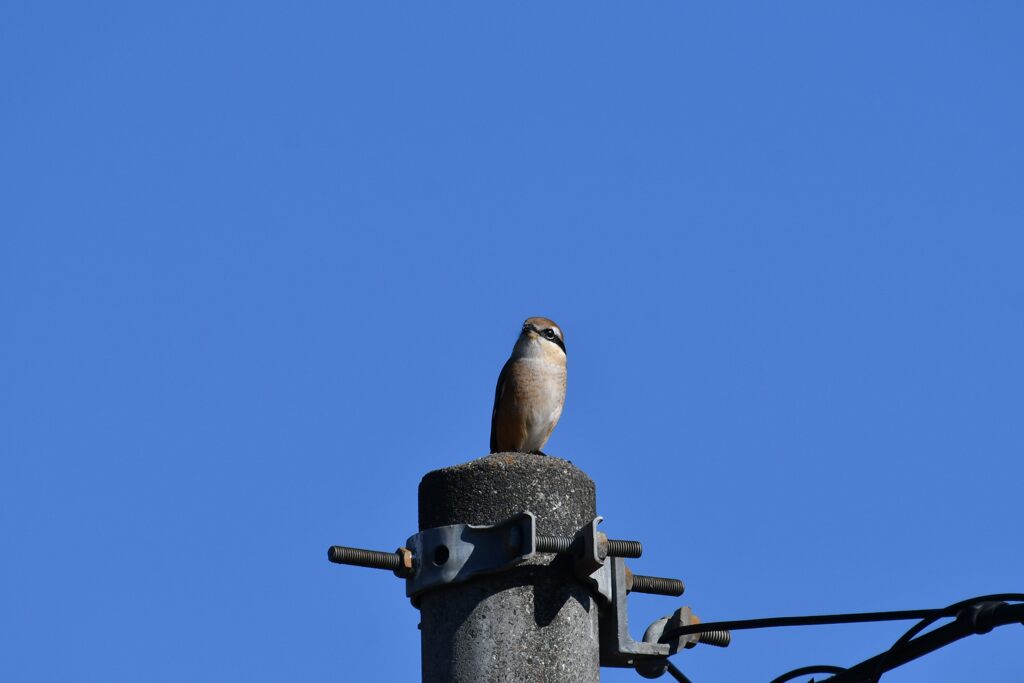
[450,554]
[684,616]
[590,564]
[617,647]
[455,553]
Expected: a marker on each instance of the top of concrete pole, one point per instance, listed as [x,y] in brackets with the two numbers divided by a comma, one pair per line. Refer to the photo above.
[490,489]
[533,623]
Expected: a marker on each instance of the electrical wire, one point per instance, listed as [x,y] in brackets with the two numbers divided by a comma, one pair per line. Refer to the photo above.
[950,611]
[676,673]
[977,618]
[991,609]
[906,648]
[804,670]
[807,620]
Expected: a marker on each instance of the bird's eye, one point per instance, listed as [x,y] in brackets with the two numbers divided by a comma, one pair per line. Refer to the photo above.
[549,333]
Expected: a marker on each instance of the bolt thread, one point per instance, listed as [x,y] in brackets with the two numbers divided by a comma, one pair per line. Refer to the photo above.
[553,544]
[657,585]
[625,548]
[340,554]
[562,544]
[716,638]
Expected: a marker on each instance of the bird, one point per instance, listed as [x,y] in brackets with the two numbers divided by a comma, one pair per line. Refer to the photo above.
[530,393]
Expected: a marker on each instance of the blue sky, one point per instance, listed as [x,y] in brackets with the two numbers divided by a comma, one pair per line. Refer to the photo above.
[261,264]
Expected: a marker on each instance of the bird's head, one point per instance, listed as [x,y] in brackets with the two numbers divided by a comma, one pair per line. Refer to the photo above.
[541,337]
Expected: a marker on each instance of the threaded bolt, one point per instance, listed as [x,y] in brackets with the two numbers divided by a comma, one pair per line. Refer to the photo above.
[553,544]
[340,554]
[716,638]
[563,544]
[632,549]
[657,585]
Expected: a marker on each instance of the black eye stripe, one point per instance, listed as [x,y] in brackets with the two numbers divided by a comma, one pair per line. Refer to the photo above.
[556,339]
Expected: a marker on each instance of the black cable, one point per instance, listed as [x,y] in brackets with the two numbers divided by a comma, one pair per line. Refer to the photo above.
[804,670]
[953,609]
[906,649]
[973,618]
[676,673]
[950,611]
[809,620]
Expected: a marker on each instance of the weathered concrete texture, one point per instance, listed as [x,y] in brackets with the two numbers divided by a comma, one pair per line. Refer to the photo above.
[533,624]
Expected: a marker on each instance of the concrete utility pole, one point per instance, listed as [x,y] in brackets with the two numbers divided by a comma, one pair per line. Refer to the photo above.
[534,623]
[515,583]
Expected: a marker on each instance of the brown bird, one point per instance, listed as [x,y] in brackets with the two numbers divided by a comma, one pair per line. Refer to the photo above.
[531,390]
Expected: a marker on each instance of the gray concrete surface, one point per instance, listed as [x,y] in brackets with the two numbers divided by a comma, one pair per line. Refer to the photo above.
[534,623]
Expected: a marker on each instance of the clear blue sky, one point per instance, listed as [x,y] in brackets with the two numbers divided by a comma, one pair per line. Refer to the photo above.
[260,266]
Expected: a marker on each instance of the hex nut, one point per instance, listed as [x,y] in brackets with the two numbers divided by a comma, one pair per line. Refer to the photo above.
[406,566]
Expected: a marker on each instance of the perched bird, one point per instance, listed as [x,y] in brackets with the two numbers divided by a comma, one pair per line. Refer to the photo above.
[531,390]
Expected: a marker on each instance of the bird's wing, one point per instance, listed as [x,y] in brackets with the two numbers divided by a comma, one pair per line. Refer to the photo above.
[499,390]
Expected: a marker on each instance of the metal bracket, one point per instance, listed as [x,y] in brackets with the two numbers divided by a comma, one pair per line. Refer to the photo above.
[455,553]
[590,561]
[684,616]
[617,647]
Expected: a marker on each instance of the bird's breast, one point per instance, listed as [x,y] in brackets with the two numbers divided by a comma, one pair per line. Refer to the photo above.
[530,403]
[538,392]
